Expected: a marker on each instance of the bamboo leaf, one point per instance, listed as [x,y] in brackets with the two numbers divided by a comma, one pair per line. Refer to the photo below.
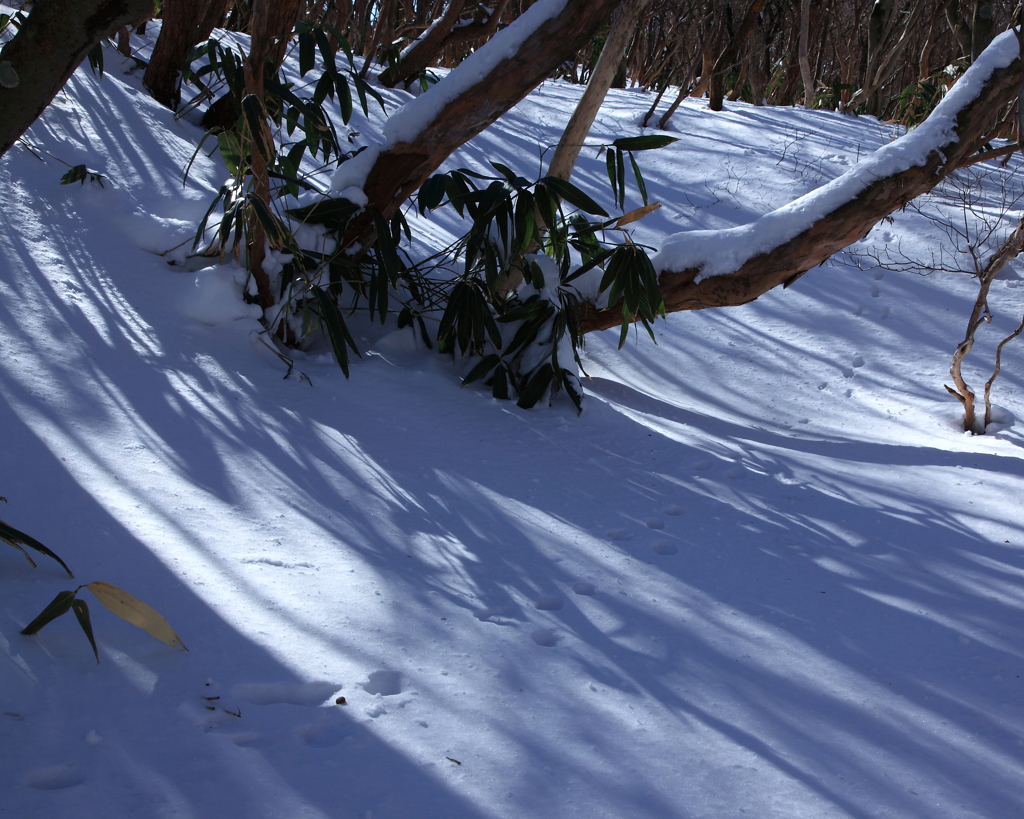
[275,231]
[638,214]
[337,331]
[536,387]
[591,263]
[11,535]
[514,179]
[609,158]
[431,193]
[344,97]
[256,118]
[639,179]
[499,385]
[58,606]
[644,143]
[81,610]
[484,366]
[332,213]
[326,52]
[307,53]
[136,612]
[386,249]
[626,321]
[573,195]
[230,151]
[621,171]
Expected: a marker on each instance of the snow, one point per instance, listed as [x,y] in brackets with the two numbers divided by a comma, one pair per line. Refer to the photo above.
[714,252]
[214,296]
[764,574]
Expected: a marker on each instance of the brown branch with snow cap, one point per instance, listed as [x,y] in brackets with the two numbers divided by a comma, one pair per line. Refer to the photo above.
[844,210]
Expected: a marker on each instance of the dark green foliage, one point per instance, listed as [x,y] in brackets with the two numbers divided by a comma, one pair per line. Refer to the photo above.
[504,291]
[18,539]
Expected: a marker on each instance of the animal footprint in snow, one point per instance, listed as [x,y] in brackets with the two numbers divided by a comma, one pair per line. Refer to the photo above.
[493,615]
[858,310]
[886,312]
[544,637]
[655,523]
[309,694]
[55,778]
[375,709]
[858,361]
[879,275]
[550,603]
[664,547]
[847,372]
[875,291]
[584,588]
[385,683]
[673,510]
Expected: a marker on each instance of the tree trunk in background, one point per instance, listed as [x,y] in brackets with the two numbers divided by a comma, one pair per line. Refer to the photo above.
[44,54]
[757,73]
[185,23]
[844,226]
[422,53]
[623,27]
[805,63]
[729,56]
[981,27]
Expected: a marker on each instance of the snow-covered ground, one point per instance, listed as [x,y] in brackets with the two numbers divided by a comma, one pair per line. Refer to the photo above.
[763,575]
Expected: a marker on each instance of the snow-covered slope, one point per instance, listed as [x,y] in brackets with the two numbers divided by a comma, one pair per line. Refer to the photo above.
[763,575]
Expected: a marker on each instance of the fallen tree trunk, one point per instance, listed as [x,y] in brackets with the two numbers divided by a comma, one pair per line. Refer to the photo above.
[972,120]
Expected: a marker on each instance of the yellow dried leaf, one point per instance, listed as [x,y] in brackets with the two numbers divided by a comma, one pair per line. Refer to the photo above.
[637,215]
[135,612]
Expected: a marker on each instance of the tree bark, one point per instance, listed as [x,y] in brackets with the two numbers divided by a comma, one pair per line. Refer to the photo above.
[403,166]
[732,50]
[46,51]
[847,224]
[805,63]
[426,49]
[272,23]
[185,23]
[623,28]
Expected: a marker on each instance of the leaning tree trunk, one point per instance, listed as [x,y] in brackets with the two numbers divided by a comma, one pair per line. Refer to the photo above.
[44,54]
[623,28]
[843,226]
[416,151]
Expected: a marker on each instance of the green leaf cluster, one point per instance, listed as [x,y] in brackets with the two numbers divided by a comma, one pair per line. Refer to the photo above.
[116,600]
